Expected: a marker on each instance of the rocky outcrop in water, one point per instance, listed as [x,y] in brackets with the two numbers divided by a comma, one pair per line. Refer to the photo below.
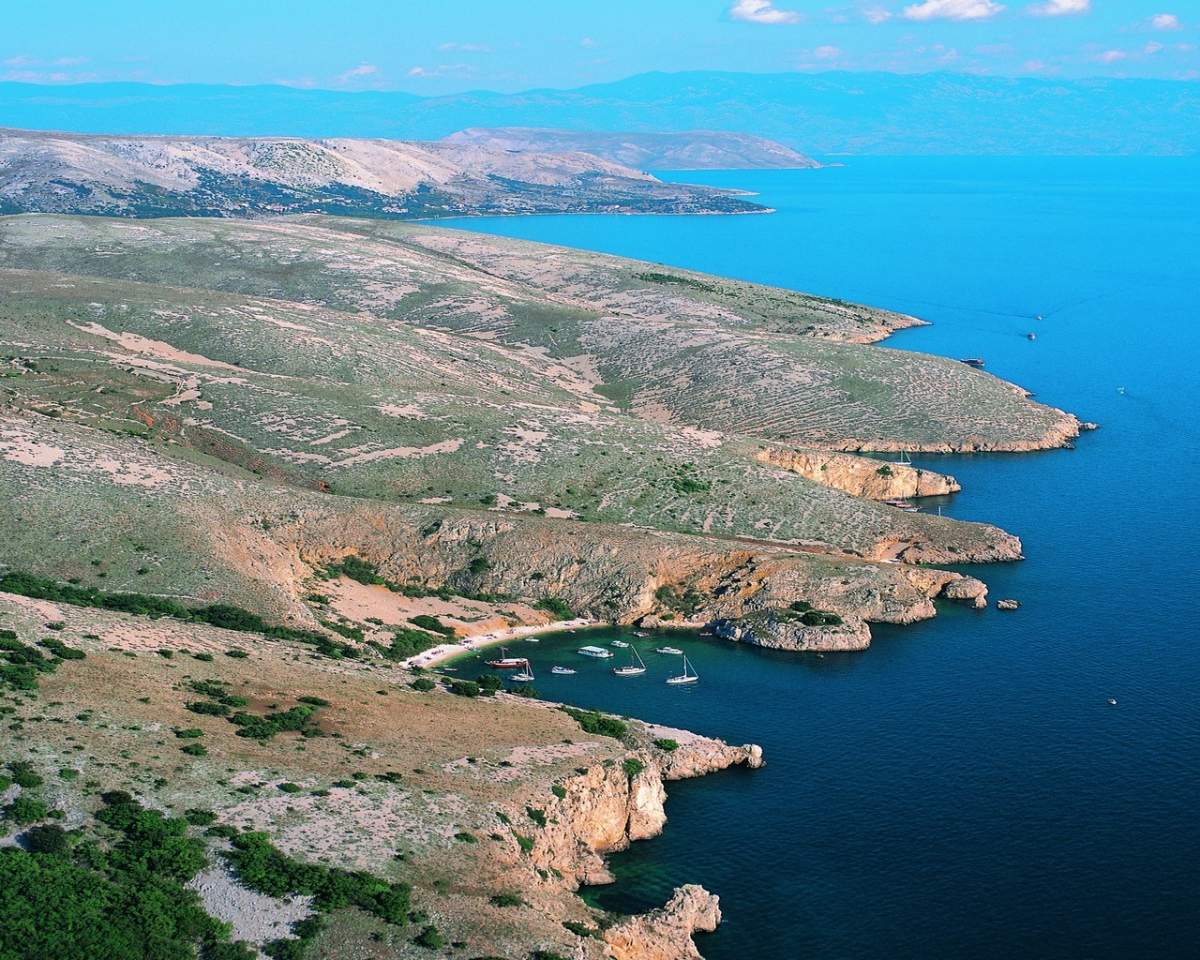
[666,934]
[608,806]
[775,630]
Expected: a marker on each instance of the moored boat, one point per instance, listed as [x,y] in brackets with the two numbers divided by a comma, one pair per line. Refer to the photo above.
[618,643]
[598,652]
[670,650]
[562,671]
[504,662]
[635,668]
[688,676]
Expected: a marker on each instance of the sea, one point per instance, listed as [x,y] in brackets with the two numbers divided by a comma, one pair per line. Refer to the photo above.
[965,787]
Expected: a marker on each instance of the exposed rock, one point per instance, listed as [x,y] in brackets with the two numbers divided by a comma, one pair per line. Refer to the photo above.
[666,934]
[778,630]
[1008,604]
[967,590]
[605,808]
[861,476]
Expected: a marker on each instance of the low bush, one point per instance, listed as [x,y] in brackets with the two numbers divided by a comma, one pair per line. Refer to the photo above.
[667,745]
[597,723]
[555,606]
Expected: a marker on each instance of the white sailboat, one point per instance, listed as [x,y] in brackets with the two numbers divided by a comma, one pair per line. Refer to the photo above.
[525,676]
[904,461]
[685,677]
[632,669]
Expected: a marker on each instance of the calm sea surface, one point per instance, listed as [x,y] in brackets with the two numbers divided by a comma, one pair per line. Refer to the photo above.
[963,788]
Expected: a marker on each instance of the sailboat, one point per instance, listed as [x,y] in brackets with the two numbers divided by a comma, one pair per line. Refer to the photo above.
[525,676]
[505,662]
[904,461]
[632,669]
[684,677]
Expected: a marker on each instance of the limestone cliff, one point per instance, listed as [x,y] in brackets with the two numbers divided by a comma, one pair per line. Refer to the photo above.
[607,806]
[860,476]
[666,934]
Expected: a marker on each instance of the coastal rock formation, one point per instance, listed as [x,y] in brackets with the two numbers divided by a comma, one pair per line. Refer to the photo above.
[967,590]
[775,630]
[1008,604]
[666,933]
[610,805]
[861,476]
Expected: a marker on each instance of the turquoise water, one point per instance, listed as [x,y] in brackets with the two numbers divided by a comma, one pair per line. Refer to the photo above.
[963,788]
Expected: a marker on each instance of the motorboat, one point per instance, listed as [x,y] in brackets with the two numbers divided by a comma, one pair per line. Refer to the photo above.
[598,652]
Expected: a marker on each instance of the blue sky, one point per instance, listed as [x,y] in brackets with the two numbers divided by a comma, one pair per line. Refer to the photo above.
[455,45]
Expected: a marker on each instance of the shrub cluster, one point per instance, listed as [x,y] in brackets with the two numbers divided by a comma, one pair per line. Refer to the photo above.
[592,721]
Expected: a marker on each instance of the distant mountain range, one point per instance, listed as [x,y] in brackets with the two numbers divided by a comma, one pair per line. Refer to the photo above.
[687,150]
[219,176]
[824,114]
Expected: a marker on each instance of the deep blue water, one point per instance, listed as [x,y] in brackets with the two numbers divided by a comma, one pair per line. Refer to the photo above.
[963,788]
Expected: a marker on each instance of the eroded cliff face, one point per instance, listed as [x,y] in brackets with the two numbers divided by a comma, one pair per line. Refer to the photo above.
[609,805]
[860,476]
[666,934]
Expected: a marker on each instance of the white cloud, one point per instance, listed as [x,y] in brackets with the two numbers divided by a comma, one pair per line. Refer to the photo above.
[877,15]
[465,47]
[440,70]
[1060,8]
[1112,56]
[953,10]
[827,52]
[1034,66]
[588,43]
[357,73]
[761,11]
[1152,48]
[1165,21]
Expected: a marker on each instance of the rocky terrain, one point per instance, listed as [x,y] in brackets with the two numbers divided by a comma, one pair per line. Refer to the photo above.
[686,150]
[250,469]
[237,177]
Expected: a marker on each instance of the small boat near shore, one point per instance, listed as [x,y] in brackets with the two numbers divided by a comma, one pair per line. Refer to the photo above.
[598,652]
[976,362]
[619,643]
[562,671]
[688,676]
[635,668]
[906,505]
[673,651]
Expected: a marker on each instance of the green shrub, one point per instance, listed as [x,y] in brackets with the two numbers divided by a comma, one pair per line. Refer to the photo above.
[189,733]
[536,815]
[632,767]
[23,774]
[424,684]
[287,787]
[555,606]
[200,818]
[507,900]
[314,701]
[524,842]
[581,929]
[430,937]
[427,622]
[464,688]
[559,791]
[60,649]
[261,867]
[47,839]
[464,837]
[194,750]
[667,745]
[597,723]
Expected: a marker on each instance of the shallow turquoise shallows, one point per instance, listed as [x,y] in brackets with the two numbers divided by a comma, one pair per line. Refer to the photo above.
[964,788]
